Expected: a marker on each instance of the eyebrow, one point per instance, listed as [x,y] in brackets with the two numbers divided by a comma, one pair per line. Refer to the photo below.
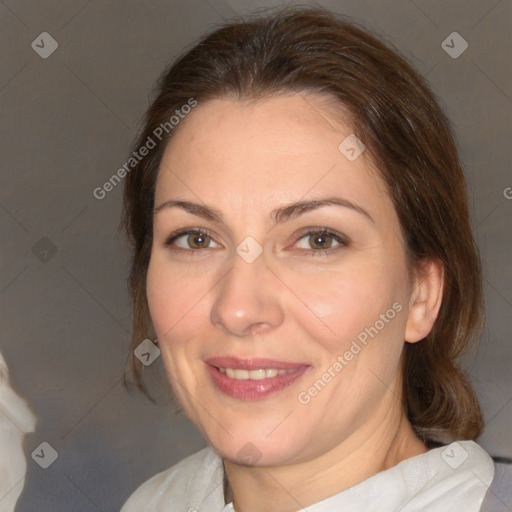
[279,215]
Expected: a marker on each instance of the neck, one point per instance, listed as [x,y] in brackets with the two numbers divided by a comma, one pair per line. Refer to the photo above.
[292,487]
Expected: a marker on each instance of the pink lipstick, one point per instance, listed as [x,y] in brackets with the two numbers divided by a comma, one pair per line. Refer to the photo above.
[253,379]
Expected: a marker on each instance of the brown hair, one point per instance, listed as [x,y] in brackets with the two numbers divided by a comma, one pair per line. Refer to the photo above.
[402,126]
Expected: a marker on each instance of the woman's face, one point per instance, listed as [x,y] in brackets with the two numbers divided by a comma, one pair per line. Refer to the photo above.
[256,291]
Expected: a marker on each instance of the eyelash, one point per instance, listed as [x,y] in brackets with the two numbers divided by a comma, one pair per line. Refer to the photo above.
[343,242]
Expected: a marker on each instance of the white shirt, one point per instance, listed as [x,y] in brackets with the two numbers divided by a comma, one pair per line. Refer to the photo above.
[446,479]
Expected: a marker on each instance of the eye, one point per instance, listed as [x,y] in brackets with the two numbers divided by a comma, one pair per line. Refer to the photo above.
[321,241]
[189,240]
[315,242]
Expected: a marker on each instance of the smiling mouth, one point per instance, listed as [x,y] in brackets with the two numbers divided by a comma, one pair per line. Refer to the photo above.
[253,379]
[259,374]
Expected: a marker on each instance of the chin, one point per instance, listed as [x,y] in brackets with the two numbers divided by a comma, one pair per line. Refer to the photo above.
[250,447]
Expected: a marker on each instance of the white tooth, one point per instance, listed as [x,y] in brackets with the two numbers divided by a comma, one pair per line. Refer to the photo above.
[257,374]
[241,374]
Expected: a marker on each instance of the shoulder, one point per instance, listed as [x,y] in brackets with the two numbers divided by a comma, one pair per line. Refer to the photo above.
[499,495]
[178,483]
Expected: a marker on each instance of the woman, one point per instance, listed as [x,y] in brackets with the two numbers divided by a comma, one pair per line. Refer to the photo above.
[304,256]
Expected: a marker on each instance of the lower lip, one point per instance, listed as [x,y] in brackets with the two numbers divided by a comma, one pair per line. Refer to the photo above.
[253,389]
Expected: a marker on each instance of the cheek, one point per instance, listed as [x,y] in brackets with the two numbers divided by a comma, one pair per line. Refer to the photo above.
[176,301]
[335,307]
[357,328]
[177,305]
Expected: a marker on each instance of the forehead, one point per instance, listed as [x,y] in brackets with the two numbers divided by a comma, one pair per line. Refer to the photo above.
[278,149]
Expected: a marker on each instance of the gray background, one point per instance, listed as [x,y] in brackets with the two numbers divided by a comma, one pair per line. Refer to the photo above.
[67,124]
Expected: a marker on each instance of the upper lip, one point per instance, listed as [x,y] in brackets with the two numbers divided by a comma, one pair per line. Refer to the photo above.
[251,364]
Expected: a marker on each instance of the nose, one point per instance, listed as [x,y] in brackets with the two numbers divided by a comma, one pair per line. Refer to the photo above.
[247,300]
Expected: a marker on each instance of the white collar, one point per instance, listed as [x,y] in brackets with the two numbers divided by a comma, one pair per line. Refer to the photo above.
[453,477]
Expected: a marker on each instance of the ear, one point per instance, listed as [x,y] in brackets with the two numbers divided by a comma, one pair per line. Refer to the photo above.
[425,300]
